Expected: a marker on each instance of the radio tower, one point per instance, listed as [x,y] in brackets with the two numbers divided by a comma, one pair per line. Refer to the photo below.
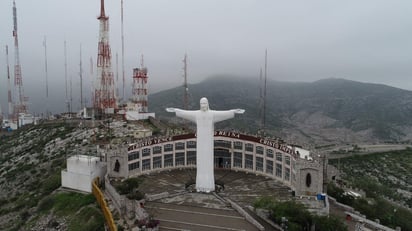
[81,79]
[139,86]
[186,89]
[10,101]
[123,78]
[20,106]
[105,90]
[264,95]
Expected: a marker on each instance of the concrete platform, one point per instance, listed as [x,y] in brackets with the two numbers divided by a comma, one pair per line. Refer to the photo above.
[182,210]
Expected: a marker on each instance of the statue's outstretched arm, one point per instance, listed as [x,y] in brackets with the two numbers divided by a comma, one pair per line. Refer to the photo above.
[238,111]
[224,115]
[185,114]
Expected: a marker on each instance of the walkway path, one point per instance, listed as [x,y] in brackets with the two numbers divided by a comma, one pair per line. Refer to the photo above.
[185,217]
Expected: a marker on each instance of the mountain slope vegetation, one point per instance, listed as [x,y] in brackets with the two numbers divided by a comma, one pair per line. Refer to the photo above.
[324,111]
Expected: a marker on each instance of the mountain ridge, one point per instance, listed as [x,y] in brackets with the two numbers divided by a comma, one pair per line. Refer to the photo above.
[354,111]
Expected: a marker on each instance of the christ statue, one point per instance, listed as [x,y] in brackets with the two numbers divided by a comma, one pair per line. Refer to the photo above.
[205,120]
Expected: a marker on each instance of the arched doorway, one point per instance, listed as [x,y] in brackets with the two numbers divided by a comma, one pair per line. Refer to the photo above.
[222,158]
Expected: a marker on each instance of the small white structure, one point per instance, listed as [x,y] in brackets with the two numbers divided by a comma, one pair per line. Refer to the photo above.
[26,119]
[303,153]
[86,113]
[133,111]
[81,171]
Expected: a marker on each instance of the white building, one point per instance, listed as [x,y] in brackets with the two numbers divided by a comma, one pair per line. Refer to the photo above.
[133,112]
[81,171]
[26,119]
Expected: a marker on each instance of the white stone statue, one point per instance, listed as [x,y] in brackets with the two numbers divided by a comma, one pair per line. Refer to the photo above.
[205,120]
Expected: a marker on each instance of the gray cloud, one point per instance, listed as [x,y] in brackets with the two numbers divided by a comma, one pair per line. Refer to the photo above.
[368,41]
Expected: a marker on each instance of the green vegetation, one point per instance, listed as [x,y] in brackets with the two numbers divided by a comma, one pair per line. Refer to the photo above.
[51,183]
[87,219]
[64,203]
[297,216]
[129,188]
[383,177]
[80,210]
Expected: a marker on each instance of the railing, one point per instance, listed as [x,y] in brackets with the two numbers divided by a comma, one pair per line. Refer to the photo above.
[103,205]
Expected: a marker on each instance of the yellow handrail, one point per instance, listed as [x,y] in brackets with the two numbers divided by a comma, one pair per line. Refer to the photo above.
[103,205]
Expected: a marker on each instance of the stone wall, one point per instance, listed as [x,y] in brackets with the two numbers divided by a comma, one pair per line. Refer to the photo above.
[118,200]
[308,169]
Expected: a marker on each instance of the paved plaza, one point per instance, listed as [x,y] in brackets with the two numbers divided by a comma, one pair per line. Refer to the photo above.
[179,209]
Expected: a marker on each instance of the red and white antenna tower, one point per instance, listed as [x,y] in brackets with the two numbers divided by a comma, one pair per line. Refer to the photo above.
[21,105]
[9,98]
[139,90]
[104,96]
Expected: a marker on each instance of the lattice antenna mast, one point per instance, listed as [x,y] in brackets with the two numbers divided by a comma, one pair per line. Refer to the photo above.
[81,79]
[65,76]
[92,80]
[186,88]
[20,106]
[105,90]
[139,90]
[264,93]
[123,78]
[9,96]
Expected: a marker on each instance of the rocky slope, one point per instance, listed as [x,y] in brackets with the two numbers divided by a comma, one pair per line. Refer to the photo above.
[30,163]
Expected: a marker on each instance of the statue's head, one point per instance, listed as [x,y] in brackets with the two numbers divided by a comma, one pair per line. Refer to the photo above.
[204,104]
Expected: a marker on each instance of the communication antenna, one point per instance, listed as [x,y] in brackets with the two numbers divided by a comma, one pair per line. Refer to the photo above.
[122,47]
[45,66]
[21,105]
[117,75]
[9,96]
[264,93]
[81,79]
[186,88]
[71,96]
[47,78]
[261,101]
[65,76]
[92,79]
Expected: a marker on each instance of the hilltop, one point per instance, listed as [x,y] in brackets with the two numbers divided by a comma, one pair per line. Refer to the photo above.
[322,112]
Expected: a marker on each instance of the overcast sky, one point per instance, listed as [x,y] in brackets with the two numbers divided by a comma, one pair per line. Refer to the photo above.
[362,40]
